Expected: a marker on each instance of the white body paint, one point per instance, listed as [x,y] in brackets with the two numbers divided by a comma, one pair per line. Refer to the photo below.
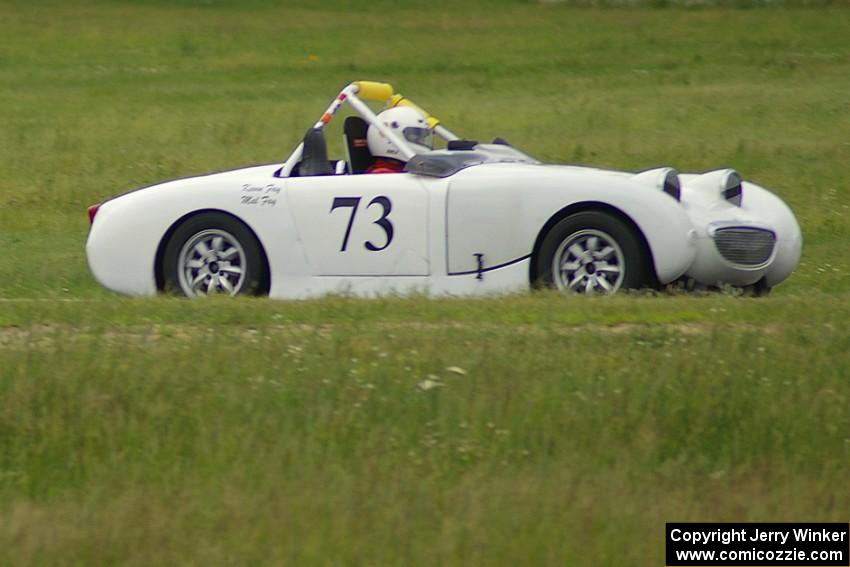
[496,210]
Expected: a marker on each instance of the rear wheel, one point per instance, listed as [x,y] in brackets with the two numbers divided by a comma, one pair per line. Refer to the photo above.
[592,252]
[213,253]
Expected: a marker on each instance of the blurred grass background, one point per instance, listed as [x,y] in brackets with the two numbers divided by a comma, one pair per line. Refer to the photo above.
[99,97]
[160,431]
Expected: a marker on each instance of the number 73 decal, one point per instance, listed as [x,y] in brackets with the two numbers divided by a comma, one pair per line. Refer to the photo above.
[383,222]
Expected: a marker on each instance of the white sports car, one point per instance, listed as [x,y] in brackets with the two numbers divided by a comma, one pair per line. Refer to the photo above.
[468,218]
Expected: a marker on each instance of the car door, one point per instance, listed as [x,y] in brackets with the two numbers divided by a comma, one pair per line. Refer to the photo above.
[362,225]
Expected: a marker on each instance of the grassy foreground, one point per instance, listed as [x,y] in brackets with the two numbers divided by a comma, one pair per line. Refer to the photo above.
[535,429]
[405,432]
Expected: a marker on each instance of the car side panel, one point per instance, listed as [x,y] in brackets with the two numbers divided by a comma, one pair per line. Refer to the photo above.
[127,230]
[362,225]
[498,210]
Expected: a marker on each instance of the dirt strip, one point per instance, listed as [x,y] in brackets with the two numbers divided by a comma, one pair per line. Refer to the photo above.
[45,335]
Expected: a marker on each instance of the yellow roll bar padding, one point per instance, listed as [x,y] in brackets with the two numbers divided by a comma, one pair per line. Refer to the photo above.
[398,100]
[371,90]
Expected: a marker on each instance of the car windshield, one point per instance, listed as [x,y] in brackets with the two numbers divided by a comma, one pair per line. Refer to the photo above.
[445,162]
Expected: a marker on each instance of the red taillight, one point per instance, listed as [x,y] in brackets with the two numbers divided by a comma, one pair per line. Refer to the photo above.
[92,212]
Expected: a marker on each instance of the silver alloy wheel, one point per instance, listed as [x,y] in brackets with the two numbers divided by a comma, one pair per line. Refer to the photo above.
[589,261]
[211,261]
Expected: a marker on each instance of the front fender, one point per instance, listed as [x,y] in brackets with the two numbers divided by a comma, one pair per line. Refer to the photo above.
[499,211]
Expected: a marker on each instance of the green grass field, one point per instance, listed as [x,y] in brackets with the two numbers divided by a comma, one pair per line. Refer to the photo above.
[529,430]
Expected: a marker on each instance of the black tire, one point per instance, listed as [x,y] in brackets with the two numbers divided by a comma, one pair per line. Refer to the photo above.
[233,263]
[619,260]
[758,289]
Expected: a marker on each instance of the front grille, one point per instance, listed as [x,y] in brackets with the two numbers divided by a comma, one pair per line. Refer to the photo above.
[745,246]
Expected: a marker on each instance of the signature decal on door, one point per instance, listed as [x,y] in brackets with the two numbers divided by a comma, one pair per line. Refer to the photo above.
[383,221]
[262,195]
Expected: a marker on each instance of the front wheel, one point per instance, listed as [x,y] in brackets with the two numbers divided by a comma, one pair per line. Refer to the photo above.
[213,253]
[592,252]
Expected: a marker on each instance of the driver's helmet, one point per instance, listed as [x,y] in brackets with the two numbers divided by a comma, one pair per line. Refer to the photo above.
[409,124]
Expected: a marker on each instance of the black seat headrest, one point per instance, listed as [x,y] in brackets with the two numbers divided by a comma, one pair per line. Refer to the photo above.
[314,157]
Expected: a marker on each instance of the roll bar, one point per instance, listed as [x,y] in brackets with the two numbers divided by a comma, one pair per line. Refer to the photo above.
[354,94]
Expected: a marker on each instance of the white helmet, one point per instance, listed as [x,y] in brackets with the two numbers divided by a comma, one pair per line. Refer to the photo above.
[409,124]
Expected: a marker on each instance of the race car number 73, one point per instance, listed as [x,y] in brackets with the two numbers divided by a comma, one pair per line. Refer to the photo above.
[383,221]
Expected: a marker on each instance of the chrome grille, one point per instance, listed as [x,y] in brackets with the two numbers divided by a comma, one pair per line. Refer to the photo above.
[745,246]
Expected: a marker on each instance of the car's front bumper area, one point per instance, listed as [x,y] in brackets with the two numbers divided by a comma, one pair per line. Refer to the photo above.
[759,241]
